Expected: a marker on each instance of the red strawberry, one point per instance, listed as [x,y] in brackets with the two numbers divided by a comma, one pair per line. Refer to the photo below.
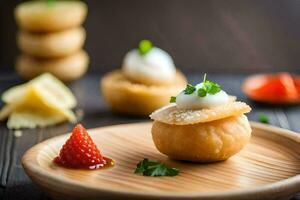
[80,151]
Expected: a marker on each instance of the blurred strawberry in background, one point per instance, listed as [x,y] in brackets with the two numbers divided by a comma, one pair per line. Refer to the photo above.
[280,88]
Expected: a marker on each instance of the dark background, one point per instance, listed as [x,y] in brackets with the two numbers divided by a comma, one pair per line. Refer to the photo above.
[202,35]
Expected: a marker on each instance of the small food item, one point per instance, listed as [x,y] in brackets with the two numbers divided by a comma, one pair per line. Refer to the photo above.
[41,102]
[32,117]
[149,65]
[204,124]
[80,151]
[263,118]
[281,88]
[147,80]
[154,168]
[50,16]
[66,69]
[53,44]
[49,88]
[138,99]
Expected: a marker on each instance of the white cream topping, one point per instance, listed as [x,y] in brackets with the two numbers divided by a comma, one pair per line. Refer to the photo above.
[155,64]
[193,101]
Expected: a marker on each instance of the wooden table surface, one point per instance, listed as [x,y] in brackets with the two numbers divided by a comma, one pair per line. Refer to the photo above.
[15,185]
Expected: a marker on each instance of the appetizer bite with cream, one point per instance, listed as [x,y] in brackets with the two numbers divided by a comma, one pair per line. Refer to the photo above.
[146,81]
[149,65]
[203,124]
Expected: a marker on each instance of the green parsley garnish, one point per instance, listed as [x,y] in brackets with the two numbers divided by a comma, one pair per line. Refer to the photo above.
[145,46]
[208,87]
[263,118]
[154,168]
[202,92]
[189,89]
[172,99]
[211,87]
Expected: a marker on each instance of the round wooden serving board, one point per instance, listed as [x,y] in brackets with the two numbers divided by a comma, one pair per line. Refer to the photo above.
[268,168]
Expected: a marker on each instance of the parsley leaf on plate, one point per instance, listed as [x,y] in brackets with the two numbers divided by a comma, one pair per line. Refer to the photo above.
[154,168]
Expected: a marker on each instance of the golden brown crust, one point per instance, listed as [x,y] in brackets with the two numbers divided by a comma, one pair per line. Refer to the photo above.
[170,114]
[137,99]
[50,45]
[202,142]
[39,16]
[66,69]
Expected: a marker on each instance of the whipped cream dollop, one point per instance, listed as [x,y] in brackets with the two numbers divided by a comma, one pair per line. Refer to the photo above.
[155,65]
[193,101]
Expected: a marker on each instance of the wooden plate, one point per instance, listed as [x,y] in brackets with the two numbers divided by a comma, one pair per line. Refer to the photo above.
[268,168]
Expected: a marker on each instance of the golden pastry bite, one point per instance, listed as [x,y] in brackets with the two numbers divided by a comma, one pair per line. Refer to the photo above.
[145,83]
[53,44]
[203,124]
[66,68]
[132,98]
[49,16]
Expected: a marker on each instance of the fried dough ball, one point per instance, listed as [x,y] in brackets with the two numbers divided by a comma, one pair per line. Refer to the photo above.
[202,142]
